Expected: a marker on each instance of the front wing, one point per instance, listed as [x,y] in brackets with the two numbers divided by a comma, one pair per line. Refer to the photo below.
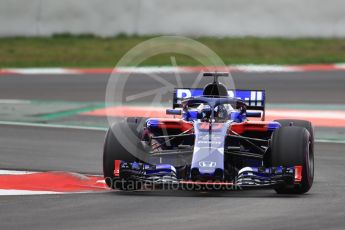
[166,176]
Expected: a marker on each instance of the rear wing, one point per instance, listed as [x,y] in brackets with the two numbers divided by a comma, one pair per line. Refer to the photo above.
[255,99]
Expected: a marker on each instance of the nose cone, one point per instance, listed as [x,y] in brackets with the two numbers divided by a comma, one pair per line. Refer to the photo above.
[208,154]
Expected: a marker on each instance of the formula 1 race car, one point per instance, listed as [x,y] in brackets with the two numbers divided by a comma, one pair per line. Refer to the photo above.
[211,145]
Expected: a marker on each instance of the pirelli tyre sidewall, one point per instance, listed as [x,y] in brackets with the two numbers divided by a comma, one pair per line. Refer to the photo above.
[293,146]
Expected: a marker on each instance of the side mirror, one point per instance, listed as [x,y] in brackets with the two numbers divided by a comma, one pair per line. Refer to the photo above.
[173,111]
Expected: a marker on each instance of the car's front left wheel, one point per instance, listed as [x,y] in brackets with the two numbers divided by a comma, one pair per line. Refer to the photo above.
[292,146]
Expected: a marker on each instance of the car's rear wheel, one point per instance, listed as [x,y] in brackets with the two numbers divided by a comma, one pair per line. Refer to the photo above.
[115,151]
[293,146]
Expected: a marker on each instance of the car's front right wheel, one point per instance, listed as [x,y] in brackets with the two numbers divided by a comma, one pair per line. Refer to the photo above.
[114,151]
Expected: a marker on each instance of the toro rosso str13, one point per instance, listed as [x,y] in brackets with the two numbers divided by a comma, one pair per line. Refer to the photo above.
[213,143]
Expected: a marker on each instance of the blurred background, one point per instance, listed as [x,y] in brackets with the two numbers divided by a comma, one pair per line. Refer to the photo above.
[293,49]
[89,33]
[106,18]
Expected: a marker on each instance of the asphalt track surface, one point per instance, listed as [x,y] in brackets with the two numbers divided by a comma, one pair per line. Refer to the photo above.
[303,87]
[43,149]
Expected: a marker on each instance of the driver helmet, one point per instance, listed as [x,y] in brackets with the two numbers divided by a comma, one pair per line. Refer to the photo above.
[222,112]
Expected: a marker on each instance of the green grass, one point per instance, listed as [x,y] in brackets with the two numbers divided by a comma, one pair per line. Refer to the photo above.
[89,51]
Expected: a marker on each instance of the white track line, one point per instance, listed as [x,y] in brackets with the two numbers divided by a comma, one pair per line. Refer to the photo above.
[36,71]
[27,124]
[263,68]
[17,192]
[330,141]
[171,69]
[14,101]
[13,192]
[13,172]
